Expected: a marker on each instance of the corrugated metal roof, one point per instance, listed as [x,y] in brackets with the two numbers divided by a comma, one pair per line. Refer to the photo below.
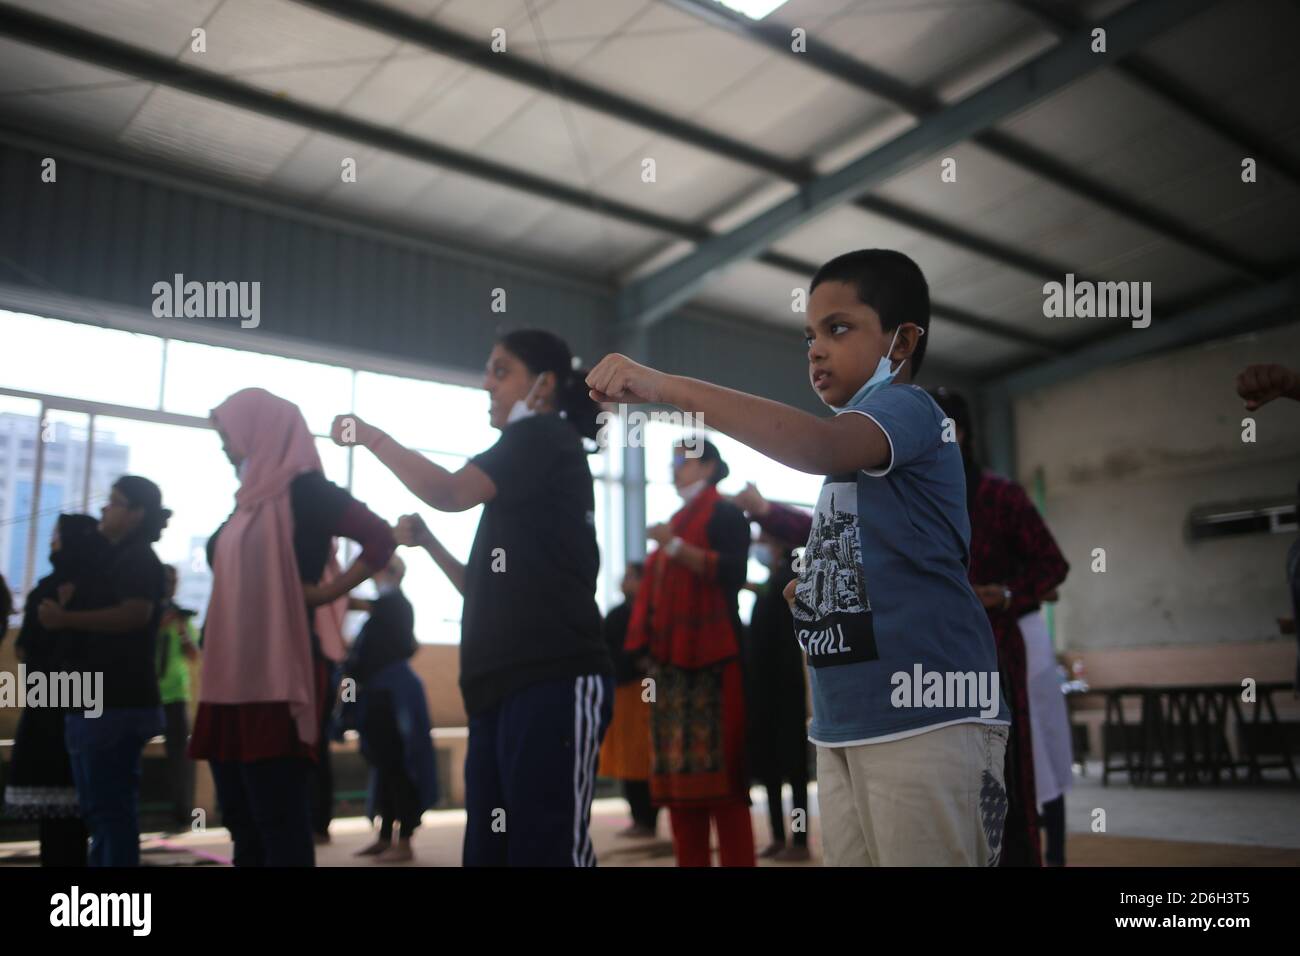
[792,115]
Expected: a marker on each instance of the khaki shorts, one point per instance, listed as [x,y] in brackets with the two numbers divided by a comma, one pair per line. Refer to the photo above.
[933,799]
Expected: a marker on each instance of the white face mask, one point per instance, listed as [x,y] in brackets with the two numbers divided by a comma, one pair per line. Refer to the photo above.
[883,375]
[693,489]
[521,408]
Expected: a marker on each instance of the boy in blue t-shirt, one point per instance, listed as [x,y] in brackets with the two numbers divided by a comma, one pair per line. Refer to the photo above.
[908,717]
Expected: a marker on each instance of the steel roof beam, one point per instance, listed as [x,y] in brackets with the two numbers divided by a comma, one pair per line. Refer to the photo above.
[476,53]
[88,47]
[1225,315]
[922,104]
[1173,91]
[651,297]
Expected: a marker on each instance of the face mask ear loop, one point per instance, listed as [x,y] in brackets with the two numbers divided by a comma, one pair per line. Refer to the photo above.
[532,389]
[919,332]
[889,354]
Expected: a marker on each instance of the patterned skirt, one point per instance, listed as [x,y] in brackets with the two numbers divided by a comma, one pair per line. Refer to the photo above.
[697,726]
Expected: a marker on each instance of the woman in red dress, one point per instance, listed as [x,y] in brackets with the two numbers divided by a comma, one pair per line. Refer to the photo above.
[686,620]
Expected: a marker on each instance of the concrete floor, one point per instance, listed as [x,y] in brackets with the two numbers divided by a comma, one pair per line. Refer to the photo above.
[1146,826]
[1267,815]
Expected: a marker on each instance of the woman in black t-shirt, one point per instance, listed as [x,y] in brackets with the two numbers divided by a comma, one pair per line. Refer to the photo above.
[114,637]
[535,673]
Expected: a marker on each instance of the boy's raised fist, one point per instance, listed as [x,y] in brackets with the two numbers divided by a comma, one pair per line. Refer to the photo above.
[616,378]
[1260,384]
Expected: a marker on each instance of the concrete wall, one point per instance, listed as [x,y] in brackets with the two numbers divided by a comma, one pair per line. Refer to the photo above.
[1125,454]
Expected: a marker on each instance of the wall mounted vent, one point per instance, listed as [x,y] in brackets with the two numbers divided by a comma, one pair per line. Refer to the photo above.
[1223,521]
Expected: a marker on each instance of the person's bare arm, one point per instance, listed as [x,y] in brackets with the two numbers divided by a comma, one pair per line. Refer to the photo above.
[427,480]
[318,594]
[454,570]
[693,557]
[751,501]
[189,642]
[690,556]
[804,442]
[413,532]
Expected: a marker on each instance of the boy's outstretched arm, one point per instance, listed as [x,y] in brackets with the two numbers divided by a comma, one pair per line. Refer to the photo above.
[804,442]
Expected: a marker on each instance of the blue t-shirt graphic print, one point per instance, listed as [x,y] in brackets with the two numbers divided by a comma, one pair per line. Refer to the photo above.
[832,602]
[896,641]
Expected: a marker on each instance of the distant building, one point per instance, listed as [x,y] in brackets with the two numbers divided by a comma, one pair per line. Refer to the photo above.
[63,486]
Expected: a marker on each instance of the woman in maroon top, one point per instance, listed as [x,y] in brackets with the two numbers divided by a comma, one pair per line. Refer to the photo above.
[1014,565]
[273,626]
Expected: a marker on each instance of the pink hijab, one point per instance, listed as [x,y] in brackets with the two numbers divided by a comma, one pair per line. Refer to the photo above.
[256,645]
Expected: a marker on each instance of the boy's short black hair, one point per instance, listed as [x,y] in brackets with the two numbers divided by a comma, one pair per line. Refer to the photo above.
[891,283]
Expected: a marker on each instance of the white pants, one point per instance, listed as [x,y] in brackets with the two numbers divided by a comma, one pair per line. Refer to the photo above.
[1049,720]
[933,799]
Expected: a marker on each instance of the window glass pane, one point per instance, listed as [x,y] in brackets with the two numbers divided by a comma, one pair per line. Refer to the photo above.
[609,533]
[200,377]
[64,438]
[659,438]
[451,419]
[774,480]
[613,461]
[449,422]
[75,360]
[19,433]
[197,481]
[609,538]
[333,461]
[436,601]
[661,502]
[745,603]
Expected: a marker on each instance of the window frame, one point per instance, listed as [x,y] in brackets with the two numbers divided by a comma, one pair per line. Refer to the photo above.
[611,565]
